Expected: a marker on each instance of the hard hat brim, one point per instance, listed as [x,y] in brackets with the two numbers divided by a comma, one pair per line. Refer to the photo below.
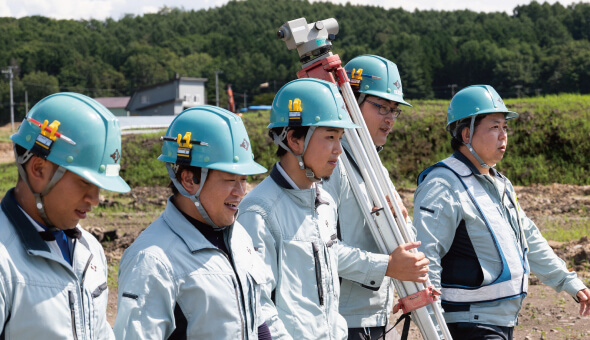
[109,183]
[387,96]
[239,169]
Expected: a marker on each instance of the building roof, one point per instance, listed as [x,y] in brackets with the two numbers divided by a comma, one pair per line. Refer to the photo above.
[113,102]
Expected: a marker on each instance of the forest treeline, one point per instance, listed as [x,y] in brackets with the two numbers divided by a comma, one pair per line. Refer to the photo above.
[539,49]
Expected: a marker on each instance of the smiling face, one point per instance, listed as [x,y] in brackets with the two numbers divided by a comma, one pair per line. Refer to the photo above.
[490,138]
[221,195]
[379,125]
[70,200]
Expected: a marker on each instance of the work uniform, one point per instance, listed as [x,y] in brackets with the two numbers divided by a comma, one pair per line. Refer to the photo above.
[360,305]
[42,296]
[295,233]
[481,245]
[174,283]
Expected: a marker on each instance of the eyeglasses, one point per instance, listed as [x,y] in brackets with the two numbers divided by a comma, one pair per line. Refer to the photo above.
[384,110]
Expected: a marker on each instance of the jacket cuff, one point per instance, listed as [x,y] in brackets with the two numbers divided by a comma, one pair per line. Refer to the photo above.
[573,287]
[377,269]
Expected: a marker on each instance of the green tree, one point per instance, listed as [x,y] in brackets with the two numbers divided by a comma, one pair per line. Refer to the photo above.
[39,85]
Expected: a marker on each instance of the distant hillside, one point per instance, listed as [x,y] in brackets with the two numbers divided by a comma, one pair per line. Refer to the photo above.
[541,48]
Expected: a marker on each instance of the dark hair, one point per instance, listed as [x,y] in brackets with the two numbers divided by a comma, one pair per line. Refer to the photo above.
[458,126]
[298,132]
[196,171]
[19,150]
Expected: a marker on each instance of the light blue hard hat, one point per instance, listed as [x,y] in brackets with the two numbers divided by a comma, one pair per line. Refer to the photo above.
[376,76]
[309,102]
[210,137]
[77,133]
[476,100]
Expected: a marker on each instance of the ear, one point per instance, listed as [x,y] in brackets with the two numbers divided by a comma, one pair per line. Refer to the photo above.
[39,172]
[38,169]
[295,144]
[465,134]
[186,179]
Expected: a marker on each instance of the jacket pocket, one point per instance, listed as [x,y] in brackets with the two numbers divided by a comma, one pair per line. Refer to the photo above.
[257,277]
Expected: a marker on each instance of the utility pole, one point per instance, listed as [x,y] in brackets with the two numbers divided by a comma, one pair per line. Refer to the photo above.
[518,87]
[26,102]
[9,74]
[245,101]
[217,87]
[452,86]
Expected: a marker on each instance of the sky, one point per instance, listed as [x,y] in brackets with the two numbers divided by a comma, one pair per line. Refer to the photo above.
[116,9]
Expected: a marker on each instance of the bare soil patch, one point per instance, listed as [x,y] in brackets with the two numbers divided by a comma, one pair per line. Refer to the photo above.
[6,153]
[545,314]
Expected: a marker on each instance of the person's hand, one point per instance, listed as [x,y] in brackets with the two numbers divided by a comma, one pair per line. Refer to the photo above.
[584,298]
[408,266]
[400,204]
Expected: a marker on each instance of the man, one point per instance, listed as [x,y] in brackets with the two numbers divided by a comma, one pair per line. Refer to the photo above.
[378,90]
[292,220]
[480,242]
[53,274]
[194,273]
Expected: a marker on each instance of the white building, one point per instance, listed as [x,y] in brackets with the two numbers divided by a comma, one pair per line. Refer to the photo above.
[167,99]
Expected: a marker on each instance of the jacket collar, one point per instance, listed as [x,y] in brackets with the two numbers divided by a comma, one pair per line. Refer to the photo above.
[458,155]
[187,232]
[25,230]
[302,196]
[279,179]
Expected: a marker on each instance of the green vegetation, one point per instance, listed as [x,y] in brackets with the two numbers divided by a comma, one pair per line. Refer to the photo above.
[549,142]
[553,229]
[5,135]
[543,48]
[8,177]
[113,275]
[139,164]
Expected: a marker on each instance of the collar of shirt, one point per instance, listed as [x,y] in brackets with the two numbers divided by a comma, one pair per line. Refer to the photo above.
[61,244]
[287,178]
[457,154]
[213,235]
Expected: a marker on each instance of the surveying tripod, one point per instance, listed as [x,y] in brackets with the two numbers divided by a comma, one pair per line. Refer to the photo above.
[313,43]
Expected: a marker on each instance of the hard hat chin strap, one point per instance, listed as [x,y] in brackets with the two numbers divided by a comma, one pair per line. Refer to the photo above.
[278,140]
[470,147]
[361,99]
[20,161]
[194,198]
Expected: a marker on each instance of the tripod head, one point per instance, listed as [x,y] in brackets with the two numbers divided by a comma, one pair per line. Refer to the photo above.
[310,40]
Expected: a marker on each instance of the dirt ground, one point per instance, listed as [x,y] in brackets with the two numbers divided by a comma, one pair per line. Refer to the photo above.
[6,153]
[545,314]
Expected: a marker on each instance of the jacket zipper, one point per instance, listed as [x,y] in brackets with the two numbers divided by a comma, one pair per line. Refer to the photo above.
[236,285]
[84,276]
[318,272]
[238,304]
[73,313]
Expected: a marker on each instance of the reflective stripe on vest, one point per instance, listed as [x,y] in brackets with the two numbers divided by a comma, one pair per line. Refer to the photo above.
[513,279]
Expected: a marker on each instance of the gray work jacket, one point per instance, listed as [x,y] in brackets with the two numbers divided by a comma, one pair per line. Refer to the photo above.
[295,233]
[42,296]
[172,269]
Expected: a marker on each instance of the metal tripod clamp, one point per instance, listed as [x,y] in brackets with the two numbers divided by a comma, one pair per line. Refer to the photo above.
[417,300]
